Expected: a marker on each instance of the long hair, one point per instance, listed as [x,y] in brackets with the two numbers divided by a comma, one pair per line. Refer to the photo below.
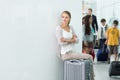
[87,25]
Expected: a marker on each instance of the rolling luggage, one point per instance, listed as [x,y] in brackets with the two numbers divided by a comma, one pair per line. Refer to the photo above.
[102,54]
[114,69]
[118,51]
[78,70]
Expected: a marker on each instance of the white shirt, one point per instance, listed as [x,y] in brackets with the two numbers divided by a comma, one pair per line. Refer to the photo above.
[65,47]
[103,33]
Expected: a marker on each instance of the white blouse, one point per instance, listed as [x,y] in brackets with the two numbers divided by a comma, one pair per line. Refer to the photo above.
[64,46]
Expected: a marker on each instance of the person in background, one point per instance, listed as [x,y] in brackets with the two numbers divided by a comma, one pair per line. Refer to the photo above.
[88,32]
[112,40]
[94,20]
[88,36]
[101,33]
[95,26]
[67,38]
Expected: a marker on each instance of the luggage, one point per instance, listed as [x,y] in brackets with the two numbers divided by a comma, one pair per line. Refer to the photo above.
[89,51]
[118,51]
[101,43]
[102,54]
[92,53]
[78,70]
[114,69]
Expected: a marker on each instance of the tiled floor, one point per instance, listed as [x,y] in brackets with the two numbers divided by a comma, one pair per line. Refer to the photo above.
[101,71]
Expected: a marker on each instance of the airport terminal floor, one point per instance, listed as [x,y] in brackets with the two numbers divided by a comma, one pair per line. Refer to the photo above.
[101,70]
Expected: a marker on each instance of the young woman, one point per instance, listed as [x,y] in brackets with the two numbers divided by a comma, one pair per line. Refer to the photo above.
[88,32]
[67,38]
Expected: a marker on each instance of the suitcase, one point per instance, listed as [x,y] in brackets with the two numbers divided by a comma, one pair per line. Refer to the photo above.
[78,70]
[92,53]
[114,69]
[118,51]
[89,51]
[102,54]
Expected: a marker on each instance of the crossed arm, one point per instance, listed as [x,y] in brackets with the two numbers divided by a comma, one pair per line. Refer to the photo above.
[73,40]
[62,41]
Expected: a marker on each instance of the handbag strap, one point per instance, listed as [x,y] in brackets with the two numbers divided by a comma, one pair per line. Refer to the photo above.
[104,48]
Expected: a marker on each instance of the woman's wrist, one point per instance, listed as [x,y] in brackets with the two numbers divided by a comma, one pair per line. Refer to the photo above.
[70,40]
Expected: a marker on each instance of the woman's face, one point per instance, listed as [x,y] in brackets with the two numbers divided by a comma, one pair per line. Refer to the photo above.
[65,18]
[90,20]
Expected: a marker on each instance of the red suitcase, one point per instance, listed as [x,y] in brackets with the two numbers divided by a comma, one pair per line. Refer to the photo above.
[89,51]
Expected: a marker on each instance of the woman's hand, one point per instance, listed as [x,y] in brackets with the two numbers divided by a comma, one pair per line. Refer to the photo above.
[74,36]
[63,39]
[73,40]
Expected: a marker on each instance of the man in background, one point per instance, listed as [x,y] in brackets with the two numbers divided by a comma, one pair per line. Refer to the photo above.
[94,22]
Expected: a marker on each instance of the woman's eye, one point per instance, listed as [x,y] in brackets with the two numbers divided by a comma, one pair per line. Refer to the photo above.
[66,17]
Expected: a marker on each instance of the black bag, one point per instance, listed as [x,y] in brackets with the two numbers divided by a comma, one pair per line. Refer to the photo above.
[114,69]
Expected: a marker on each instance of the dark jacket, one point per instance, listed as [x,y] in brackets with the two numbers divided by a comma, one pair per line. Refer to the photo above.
[94,23]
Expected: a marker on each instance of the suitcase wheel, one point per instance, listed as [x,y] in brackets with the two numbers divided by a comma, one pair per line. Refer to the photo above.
[109,75]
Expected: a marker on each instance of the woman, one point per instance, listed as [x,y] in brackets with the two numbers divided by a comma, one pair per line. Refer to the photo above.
[88,32]
[67,38]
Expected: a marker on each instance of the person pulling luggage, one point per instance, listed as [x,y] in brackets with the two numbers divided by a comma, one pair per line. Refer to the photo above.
[101,33]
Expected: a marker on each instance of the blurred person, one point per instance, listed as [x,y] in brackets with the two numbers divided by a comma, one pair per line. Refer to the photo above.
[112,40]
[94,20]
[95,27]
[88,32]
[101,33]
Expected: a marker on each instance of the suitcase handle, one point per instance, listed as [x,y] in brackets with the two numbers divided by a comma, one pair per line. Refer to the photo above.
[76,61]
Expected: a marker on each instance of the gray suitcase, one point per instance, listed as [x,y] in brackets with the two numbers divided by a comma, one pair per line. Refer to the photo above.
[78,70]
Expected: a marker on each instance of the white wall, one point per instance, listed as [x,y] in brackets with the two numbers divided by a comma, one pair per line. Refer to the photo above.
[105,9]
[27,38]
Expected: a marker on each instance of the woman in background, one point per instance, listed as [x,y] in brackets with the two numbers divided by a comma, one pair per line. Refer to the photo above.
[88,36]
[88,32]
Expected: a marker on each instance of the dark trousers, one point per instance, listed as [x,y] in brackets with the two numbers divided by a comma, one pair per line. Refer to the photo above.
[102,44]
